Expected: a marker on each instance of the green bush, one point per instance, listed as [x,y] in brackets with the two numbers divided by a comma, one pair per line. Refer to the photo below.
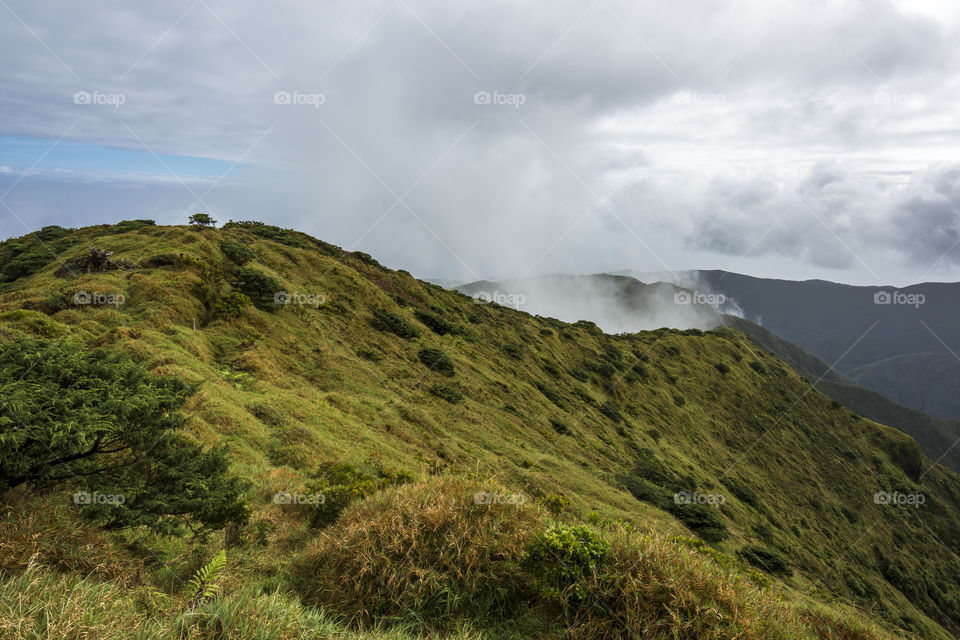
[232,304]
[766,559]
[256,285]
[341,483]
[556,503]
[756,366]
[551,394]
[283,236]
[28,264]
[444,392]
[704,520]
[560,427]
[744,493]
[722,368]
[514,351]
[437,324]
[237,253]
[436,360]
[559,557]
[384,320]
[102,424]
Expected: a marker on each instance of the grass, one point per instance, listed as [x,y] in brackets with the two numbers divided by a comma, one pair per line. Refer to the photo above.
[290,388]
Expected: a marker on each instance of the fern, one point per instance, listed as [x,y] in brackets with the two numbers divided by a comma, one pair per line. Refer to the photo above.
[203,585]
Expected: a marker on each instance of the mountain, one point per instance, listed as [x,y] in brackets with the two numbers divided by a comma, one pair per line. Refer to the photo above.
[623,303]
[421,464]
[901,343]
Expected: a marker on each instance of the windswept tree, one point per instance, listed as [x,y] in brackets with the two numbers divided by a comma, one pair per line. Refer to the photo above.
[99,423]
[201,221]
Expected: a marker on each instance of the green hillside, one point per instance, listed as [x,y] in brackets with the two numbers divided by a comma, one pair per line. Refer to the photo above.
[936,437]
[485,473]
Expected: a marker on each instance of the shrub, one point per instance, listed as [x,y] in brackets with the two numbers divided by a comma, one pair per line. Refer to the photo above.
[237,253]
[744,493]
[369,354]
[424,551]
[283,236]
[27,264]
[436,360]
[437,324]
[766,559]
[342,483]
[444,392]
[722,368]
[702,519]
[232,304]
[610,410]
[560,427]
[257,286]
[93,417]
[756,366]
[645,491]
[384,320]
[556,503]
[560,557]
[513,351]
[551,394]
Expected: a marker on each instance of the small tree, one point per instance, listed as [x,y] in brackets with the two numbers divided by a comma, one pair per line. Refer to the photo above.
[98,422]
[201,221]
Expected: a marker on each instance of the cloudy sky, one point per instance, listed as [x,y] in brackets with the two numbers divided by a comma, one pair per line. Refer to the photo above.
[794,138]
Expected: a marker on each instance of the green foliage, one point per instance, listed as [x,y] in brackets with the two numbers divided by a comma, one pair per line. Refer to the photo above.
[560,427]
[759,368]
[201,221]
[560,556]
[237,253]
[288,237]
[342,483]
[231,305]
[369,354]
[204,585]
[766,559]
[28,263]
[703,519]
[722,368]
[513,351]
[744,493]
[551,394]
[436,360]
[437,324]
[556,503]
[447,393]
[390,322]
[96,420]
[256,285]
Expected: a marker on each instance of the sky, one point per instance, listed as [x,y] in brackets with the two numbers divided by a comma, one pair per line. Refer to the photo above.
[788,138]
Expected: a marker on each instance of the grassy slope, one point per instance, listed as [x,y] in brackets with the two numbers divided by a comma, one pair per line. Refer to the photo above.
[936,437]
[684,424]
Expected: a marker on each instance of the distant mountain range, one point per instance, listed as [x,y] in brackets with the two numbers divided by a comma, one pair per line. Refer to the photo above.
[879,390]
[902,343]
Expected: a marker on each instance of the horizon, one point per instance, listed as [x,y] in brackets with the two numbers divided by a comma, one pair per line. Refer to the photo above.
[786,141]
